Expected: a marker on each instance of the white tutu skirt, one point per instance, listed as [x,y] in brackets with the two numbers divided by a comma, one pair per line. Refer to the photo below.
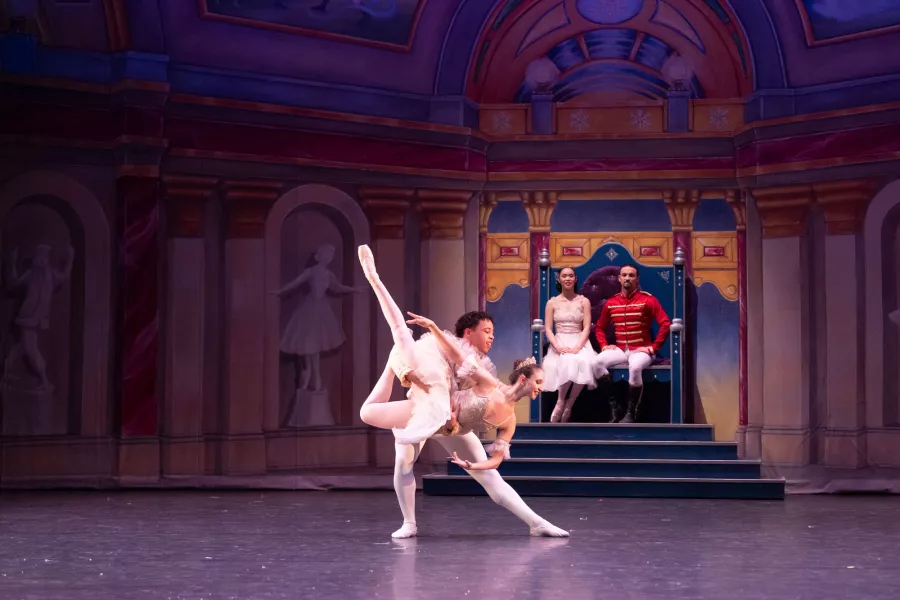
[431,410]
[577,368]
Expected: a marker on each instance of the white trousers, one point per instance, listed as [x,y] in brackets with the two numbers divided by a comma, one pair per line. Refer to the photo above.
[637,362]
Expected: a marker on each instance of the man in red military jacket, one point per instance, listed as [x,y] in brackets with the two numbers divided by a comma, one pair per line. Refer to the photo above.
[631,312]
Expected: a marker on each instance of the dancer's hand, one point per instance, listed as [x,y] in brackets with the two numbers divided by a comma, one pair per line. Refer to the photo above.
[456,460]
[605,348]
[645,350]
[420,321]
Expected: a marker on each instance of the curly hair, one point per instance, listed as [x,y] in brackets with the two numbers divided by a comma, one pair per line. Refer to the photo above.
[470,320]
[524,366]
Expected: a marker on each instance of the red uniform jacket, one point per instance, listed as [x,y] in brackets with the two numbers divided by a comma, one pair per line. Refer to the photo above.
[631,318]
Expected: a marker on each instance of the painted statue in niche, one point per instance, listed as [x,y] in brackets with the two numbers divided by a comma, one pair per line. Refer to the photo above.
[831,20]
[382,22]
[314,321]
[36,316]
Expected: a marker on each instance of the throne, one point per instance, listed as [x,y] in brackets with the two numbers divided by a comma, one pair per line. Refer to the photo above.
[597,282]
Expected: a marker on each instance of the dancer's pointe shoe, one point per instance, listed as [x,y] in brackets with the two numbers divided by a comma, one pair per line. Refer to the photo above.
[408,530]
[367,260]
[557,411]
[547,529]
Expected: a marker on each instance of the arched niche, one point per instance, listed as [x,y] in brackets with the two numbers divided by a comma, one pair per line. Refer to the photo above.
[881,235]
[60,211]
[300,222]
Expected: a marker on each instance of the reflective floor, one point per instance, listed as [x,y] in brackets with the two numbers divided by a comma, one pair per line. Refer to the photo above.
[336,545]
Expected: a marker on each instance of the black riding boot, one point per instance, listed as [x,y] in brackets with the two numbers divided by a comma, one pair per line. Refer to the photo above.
[634,400]
[615,409]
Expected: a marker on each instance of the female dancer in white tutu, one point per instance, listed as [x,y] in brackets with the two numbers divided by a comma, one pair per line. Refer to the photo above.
[420,366]
[567,364]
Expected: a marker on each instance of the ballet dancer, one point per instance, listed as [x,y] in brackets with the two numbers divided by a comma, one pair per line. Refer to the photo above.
[428,407]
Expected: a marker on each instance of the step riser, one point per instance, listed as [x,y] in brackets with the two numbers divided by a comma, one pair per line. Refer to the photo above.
[712,471]
[613,432]
[521,449]
[616,489]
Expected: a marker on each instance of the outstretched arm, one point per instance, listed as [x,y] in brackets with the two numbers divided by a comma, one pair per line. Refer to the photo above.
[303,278]
[339,288]
[471,365]
[501,445]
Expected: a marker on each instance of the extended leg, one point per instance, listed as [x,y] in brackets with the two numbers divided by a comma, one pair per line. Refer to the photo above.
[403,340]
[378,411]
[405,456]
[469,447]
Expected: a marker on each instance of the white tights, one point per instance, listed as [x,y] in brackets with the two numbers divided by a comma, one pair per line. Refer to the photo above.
[563,409]
[468,447]
[637,362]
[377,411]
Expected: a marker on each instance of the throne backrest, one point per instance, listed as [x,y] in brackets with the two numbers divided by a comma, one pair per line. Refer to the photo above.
[598,281]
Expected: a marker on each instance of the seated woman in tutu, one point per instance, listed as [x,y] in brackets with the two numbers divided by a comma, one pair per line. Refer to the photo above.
[569,359]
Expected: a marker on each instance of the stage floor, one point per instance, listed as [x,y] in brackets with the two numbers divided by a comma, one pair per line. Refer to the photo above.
[336,545]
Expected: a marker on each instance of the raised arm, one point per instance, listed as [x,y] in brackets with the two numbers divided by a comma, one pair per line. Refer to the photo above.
[468,367]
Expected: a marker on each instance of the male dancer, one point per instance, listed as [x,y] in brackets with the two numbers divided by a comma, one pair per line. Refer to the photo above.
[631,312]
[476,329]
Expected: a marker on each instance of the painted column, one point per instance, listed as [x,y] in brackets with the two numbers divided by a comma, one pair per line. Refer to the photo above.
[539,207]
[186,200]
[786,325]
[443,254]
[487,205]
[386,209]
[737,201]
[247,204]
[681,206]
[844,205]
[139,230]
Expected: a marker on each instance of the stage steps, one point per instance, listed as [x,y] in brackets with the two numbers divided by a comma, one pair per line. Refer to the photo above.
[619,460]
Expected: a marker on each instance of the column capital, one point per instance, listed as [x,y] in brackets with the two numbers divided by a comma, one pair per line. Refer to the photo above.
[844,204]
[386,209]
[681,205]
[486,206]
[783,210]
[737,200]
[185,198]
[443,213]
[247,202]
[539,206]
